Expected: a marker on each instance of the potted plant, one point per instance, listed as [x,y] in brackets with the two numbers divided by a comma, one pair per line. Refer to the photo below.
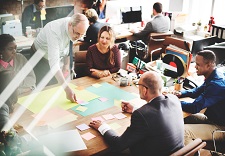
[199,24]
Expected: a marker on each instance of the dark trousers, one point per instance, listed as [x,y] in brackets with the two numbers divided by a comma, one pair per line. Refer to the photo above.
[41,69]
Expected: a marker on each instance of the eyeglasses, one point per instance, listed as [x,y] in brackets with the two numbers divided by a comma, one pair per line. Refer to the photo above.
[142,85]
[78,34]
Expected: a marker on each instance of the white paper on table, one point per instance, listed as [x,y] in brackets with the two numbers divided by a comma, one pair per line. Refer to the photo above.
[61,142]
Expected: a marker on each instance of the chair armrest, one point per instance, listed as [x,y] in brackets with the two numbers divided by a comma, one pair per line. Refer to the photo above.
[157,39]
[151,52]
[190,147]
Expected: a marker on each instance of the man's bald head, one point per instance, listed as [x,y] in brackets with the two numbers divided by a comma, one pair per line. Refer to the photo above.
[152,81]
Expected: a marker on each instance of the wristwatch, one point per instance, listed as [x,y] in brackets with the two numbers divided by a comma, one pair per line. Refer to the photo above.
[32,87]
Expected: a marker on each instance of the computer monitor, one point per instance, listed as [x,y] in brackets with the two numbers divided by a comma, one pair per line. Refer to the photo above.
[199,45]
[134,14]
[54,13]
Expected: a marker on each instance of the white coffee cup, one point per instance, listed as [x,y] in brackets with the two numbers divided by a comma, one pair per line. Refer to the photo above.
[29,31]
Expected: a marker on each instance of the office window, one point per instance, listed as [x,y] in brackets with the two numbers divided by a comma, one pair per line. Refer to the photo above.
[219,12]
[199,10]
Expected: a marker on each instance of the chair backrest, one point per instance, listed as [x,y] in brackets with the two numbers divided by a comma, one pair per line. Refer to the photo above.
[190,149]
[80,66]
[155,43]
[177,42]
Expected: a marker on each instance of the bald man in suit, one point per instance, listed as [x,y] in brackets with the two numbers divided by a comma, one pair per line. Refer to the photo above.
[156,128]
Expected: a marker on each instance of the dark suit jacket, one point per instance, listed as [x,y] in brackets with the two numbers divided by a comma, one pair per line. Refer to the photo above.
[157,128]
[30,18]
[92,32]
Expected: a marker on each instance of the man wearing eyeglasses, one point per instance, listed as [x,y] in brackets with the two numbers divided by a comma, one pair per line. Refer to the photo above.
[32,16]
[53,40]
[156,128]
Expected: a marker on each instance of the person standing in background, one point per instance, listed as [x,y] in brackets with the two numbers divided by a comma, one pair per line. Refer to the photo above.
[80,6]
[53,41]
[31,15]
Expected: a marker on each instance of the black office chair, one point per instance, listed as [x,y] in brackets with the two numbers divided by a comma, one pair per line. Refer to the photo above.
[216,147]
[138,49]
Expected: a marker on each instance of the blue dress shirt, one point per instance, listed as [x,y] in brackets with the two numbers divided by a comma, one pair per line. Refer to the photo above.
[210,95]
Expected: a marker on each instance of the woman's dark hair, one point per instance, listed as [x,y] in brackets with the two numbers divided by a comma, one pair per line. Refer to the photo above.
[5,78]
[158,7]
[4,40]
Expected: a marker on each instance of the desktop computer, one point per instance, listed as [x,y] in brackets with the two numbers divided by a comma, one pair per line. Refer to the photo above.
[198,45]
[132,15]
[4,18]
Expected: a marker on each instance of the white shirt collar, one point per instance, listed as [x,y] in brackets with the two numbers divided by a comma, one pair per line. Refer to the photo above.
[67,26]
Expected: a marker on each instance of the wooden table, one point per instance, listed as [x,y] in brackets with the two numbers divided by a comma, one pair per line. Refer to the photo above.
[27,118]
[96,145]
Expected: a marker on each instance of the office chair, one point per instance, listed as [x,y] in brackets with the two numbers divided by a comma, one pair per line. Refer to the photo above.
[80,65]
[216,147]
[214,141]
[191,149]
[167,41]
[180,43]
[155,43]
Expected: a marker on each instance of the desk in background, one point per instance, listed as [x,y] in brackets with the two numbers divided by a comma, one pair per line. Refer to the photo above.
[218,30]
[23,42]
[23,45]
[121,31]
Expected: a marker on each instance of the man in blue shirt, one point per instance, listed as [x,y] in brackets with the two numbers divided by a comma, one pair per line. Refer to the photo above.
[210,95]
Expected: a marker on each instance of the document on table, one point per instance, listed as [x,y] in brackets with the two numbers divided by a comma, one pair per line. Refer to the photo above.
[62,142]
